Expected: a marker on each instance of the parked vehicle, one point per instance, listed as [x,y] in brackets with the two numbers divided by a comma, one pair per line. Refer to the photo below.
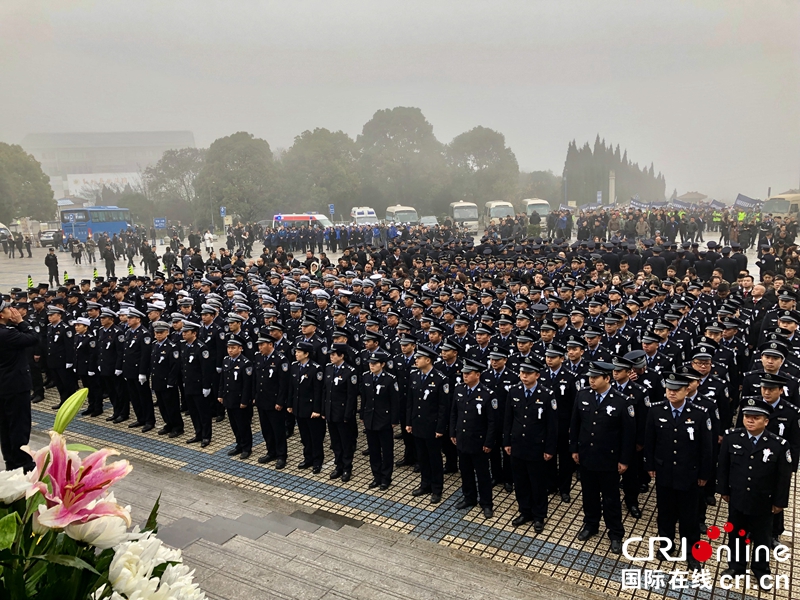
[497,210]
[465,214]
[363,215]
[48,238]
[537,205]
[402,214]
[429,221]
[299,219]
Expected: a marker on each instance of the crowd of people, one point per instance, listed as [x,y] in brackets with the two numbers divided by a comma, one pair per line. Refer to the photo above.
[525,364]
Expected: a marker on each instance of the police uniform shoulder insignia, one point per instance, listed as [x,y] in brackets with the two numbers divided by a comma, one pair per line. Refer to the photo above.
[249,370]
[121,338]
[69,333]
[249,344]
[92,344]
[390,364]
[354,379]
[205,354]
[716,413]
[146,339]
[788,456]
[647,402]
[358,360]
[176,354]
[630,411]
[554,404]
[446,388]
[222,335]
[36,329]
[396,387]
[319,375]
[708,424]
[285,367]
[324,349]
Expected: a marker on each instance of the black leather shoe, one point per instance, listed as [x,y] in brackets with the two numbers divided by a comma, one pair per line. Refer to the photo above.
[711,500]
[111,418]
[732,572]
[416,468]
[317,470]
[384,486]
[175,433]
[265,459]
[585,533]
[219,419]
[616,546]
[205,443]
[289,433]
[538,526]
[509,487]
[404,462]
[488,513]
[234,451]
[521,520]
[365,452]
[193,440]
[36,399]
[420,491]
[694,564]
[148,427]
[336,473]
[163,431]
[304,464]
[436,498]
[56,406]
[280,464]
[346,475]
[373,484]
[95,413]
[398,436]
[121,419]
[635,512]
[86,413]
[135,424]
[565,498]
[450,470]
[644,488]
[462,504]
[775,543]
[245,455]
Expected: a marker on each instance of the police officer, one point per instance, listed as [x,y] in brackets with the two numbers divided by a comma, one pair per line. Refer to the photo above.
[236,395]
[754,473]
[530,438]
[60,354]
[198,371]
[472,431]
[306,405]
[380,409]
[340,402]
[135,368]
[111,342]
[165,374]
[86,352]
[500,380]
[213,336]
[271,391]
[602,439]
[403,365]
[428,420]
[677,454]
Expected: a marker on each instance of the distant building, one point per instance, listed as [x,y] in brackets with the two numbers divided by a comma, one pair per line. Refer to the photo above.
[63,154]
[692,197]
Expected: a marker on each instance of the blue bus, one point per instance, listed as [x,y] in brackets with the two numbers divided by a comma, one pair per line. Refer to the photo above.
[94,220]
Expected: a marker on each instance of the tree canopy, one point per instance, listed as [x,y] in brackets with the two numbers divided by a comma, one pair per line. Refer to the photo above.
[24,188]
[484,168]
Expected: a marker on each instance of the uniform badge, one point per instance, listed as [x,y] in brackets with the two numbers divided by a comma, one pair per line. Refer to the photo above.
[205,354]
[647,402]
[69,333]
[788,456]
[354,379]
[92,344]
[396,387]
[494,403]
[554,404]
[175,354]
[446,388]
[146,340]
[358,360]
[249,370]
[630,411]
[222,335]
[285,367]
[250,345]
[319,375]
[390,364]
[708,424]
[121,338]
[324,349]
[36,329]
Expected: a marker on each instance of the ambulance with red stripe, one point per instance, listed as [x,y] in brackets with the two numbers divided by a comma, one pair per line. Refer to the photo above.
[310,219]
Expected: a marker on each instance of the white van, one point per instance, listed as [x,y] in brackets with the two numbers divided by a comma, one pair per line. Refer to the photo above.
[402,214]
[497,210]
[465,214]
[363,215]
[537,205]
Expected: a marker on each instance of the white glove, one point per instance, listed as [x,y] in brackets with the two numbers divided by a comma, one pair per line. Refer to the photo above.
[90,374]
[206,393]
[142,379]
[117,372]
[69,365]
[219,369]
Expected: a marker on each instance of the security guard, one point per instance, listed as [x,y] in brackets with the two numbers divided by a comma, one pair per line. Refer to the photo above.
[86,353]
[135,368]
[340,385]
[165,376]
[236,395]
[677,454]
[381,407]
[306,405]
[530,438]
[428,420]
[753,476]
[198,372]
[271,391]
[602,439]
[60,354]
[472,432]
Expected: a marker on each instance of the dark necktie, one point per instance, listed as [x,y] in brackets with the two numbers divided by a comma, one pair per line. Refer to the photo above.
[754,440]
[599,398]
[675,413]
[528,394]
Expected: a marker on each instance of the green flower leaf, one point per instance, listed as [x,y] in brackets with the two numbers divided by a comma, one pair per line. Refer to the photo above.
[67,561]
[152,520]
[8,531]
[69,409]
[80,448]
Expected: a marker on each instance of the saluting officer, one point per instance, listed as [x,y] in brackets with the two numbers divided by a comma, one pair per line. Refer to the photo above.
[602,439]
[271,391]
[111,342]
[236,395]
[60,354]
[135,368]
[86,352]
[198,372]
[381,407]
[306,405]
[530,438]
[165,373]
[754,473]
[340,403]
[678,455]
[428,420]
[472,431]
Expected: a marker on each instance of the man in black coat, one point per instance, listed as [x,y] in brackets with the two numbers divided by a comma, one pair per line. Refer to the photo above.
[61,354]
[271,390]
[198,372]
[165,374]
[135,370]
[306,405]
[340,393]
[381,408]
[15,387]
[236,395]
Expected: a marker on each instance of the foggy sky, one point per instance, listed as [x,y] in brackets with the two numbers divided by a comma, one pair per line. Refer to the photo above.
[707,91]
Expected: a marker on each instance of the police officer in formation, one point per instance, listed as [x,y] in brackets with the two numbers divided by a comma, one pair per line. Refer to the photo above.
[630,385]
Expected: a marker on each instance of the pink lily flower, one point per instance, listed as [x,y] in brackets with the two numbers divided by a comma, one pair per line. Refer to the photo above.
[78,488]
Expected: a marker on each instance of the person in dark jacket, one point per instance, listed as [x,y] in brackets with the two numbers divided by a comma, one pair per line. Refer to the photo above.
[86,355]
[236,395]
[380,409]
[340,392]
[306,406]
[165,375]
[15,388]
[198,372]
